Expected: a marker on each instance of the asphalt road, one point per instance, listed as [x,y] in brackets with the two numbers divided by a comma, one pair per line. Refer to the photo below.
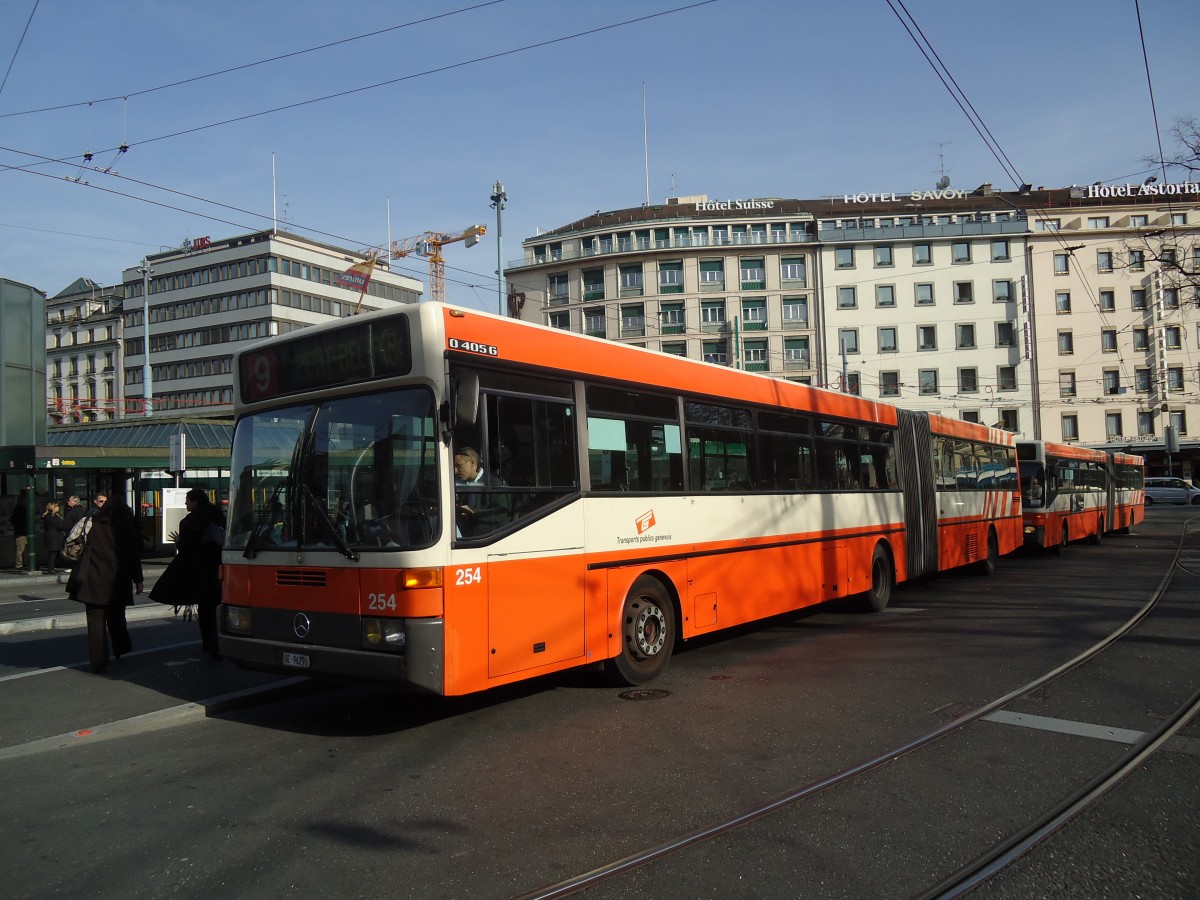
[171,775]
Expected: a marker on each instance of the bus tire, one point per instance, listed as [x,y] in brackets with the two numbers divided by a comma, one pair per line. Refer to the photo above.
[1094,539]
[883,579]
[647,634]
[1058,548]
[987,565]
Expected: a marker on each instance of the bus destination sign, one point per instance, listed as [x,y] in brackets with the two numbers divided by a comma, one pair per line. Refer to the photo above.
[340,356]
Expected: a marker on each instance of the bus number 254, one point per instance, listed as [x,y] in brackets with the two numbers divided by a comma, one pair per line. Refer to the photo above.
[464,577]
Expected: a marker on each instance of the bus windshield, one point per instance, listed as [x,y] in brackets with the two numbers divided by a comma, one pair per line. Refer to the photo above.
[350,474]
[1033,484]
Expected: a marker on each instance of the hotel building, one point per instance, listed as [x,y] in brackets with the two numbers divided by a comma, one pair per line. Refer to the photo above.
[1067,314]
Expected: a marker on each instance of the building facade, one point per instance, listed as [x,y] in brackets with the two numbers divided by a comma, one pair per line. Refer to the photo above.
[1066,314]
[83,354]
[212,297]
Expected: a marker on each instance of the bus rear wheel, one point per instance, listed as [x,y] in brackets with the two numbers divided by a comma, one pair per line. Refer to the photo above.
[647,634]
[1099,535]
[1058,548]
[883,578]
[987,565]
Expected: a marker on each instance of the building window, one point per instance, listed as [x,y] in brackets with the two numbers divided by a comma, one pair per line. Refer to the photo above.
[1112,382]
[1005,334]
[1097,222]
[853,384]
[675,348]
[964,336]
[1002,291]
[926,337]
[1137,298]
[887,340]
[715,352]
[672,318]
[754,315]
[883,256]
[847,298]
[633,320]
[964,292]
[1066,384]
[1066,343]
[795,312]
[1141,381]
[922,254]
[1112,426]
[670,277]
[1173,335]
[848,340]
[1006,378]
[1108,301]
[1070,427]
[924,294]
[1062,302]
[631,280]
[793,272]
[843,258]
[1179,420]
[795,353]
[754,276]
[1010,420]
[593,284]
[889,384]
[559,291]
[712,314]
[1139,221]
[1047,224]
[712,274]
[928,380]
[1108,340]
[1137,260]
[960,252]
[970,415]
[1170,298]
[1104,261]
[1062,264]
[1000,251]
[594,322]
[968,381]
[1175,378]
[560,320]
[755,355]
[885,295]
[1141,339]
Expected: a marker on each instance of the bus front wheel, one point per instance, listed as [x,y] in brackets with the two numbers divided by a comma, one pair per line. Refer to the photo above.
[883,577]
[647,634]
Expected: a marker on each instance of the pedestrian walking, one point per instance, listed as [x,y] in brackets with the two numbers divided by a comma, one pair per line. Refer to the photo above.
[54,535]
[106,577]
[193,576]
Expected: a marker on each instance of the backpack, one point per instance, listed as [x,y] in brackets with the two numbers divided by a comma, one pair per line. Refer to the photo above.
[77,539]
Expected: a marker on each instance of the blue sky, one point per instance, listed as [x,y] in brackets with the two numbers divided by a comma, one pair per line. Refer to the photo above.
[745,98]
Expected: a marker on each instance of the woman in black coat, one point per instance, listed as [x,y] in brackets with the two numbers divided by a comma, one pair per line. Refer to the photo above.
[193,577]
[54,535]
[106,577]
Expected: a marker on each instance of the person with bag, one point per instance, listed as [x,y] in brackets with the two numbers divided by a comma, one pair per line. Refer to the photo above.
[106,577]
[54,535]
[193,576]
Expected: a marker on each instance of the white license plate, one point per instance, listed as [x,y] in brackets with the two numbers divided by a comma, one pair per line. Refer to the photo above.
[299,660]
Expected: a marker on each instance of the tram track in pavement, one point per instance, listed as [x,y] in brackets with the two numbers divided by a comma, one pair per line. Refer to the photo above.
[1000,854]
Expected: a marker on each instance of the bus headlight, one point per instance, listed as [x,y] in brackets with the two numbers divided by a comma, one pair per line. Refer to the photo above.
[237,619]
[383,634]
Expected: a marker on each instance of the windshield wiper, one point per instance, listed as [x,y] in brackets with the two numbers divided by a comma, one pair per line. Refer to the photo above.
[342,546]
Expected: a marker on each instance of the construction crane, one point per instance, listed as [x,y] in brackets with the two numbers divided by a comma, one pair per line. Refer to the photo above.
[430,244]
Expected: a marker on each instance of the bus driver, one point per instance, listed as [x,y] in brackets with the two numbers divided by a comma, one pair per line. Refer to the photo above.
[476,512]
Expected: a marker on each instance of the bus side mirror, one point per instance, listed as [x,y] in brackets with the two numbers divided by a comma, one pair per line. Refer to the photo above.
[466,399]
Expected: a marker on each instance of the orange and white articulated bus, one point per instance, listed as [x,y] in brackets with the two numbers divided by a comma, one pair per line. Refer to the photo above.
[451,500]
[1073,492]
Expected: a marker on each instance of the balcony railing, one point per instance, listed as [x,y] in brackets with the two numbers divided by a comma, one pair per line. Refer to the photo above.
[680,242]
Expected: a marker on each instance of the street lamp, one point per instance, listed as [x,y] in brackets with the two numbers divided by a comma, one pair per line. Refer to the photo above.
[147,374]
[498,198]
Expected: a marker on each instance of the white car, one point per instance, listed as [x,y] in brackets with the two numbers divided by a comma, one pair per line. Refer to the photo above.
[1170,490]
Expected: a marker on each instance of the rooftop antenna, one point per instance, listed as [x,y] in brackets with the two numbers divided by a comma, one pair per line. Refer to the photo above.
[943,181]
[646,142]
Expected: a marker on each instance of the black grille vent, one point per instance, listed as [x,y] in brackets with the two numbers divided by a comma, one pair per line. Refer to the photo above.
[300,578]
